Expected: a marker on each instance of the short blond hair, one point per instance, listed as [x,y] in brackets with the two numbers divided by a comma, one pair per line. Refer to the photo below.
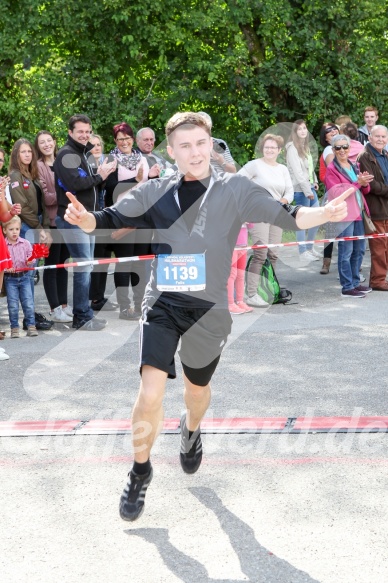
[187,120]
[14,219]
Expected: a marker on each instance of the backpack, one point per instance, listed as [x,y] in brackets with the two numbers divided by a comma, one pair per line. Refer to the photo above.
[269,288]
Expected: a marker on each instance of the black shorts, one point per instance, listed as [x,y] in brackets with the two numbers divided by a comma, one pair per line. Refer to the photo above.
[203,333]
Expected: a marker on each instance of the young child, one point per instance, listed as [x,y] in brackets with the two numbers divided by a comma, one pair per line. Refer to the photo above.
[18,283]
[236,279]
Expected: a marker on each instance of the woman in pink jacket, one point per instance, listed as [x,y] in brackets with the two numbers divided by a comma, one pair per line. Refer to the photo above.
[339,174]
[54,280]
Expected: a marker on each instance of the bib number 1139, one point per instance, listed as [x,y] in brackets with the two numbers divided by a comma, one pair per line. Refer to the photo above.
[181,272]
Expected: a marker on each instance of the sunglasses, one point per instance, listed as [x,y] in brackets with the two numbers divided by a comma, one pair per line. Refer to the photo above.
[328,130]
[338,148]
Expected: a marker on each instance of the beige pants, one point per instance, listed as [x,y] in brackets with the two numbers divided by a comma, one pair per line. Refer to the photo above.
[261,234]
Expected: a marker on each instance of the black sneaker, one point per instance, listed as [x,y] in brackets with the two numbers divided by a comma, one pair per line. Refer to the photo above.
[191,449]
[92,325]
[132,498]
[103,304]
[41,322]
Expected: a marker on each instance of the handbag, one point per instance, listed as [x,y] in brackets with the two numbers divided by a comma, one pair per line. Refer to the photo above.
[369,227]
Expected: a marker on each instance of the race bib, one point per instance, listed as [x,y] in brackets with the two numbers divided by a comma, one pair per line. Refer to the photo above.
[181,272]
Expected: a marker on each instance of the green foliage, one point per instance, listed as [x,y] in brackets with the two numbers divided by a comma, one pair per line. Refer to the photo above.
[249,63]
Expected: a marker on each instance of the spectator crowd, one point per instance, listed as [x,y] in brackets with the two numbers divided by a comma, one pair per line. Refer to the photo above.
[33,202]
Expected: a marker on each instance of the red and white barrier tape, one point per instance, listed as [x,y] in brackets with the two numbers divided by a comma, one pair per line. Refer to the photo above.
[145,257]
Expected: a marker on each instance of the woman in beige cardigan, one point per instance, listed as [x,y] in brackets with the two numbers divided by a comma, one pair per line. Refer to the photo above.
[300,163]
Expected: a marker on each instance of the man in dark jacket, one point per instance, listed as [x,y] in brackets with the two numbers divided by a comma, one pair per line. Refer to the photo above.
[374,160]
[73,174]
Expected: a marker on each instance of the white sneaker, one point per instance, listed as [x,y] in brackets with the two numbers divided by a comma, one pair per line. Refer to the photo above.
[4,356]
[2,349]
[256,301]
[362,278]
[59,315]
[316,253]
[68,310]
[307,256]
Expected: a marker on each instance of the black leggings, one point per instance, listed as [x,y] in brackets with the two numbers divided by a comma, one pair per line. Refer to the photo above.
[55,280]
[328,251]
[134,274]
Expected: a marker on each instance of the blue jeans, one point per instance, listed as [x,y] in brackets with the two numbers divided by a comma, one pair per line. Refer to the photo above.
[31,238]
[81,248]
[302,200]
[350,255]
[19,289]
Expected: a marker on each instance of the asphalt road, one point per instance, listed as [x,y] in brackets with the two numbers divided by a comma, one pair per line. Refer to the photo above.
[262,508]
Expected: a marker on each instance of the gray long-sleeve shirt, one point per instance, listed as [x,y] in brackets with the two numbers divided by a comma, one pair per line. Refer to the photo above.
[230,201]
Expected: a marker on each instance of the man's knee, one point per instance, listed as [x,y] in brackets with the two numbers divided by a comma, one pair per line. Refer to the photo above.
[149,400]
[197,392]
[152,389]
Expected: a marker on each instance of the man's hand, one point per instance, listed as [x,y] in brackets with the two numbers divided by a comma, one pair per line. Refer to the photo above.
[106,168]
[154,171]
[336,210]
[76,214]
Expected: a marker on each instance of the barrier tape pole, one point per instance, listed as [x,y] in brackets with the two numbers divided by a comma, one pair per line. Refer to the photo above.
[145,257]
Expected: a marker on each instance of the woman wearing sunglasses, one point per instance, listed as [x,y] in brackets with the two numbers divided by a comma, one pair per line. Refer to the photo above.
[339,175]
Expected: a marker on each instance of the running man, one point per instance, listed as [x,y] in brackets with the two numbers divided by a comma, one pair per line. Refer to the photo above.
[194,219]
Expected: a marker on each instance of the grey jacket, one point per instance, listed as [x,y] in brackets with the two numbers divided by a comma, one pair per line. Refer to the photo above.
[230,201]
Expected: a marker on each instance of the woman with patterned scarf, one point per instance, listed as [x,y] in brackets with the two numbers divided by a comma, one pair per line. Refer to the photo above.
[132,168]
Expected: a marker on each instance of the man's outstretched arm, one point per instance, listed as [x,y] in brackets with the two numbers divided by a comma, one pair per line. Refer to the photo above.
[76,214]
[335,211]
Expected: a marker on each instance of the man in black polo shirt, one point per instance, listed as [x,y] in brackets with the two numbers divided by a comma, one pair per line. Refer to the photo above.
[194,217]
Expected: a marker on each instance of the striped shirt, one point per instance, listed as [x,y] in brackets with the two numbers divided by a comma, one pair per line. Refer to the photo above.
[19,252]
